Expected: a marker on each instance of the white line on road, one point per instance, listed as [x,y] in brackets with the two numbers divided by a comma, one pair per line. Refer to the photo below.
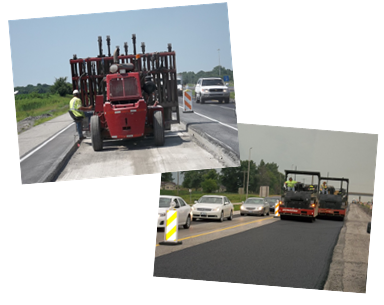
[204,116]
[45,143]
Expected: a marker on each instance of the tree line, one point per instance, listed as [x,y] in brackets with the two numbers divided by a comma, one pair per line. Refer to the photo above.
[60,86]
[218,71]
[233,178]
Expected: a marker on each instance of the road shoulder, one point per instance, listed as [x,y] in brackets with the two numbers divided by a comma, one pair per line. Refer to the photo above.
[348,269]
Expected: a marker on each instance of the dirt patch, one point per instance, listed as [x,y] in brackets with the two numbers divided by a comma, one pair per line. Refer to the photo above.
[28,122]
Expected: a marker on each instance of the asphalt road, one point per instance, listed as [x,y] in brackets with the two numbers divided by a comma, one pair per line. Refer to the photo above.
[217,122]
[37,165]
[48,146]
[44,148]
[277,253]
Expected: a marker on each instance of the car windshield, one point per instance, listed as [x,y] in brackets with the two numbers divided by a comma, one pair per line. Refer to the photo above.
[212,82]
[270,200]
[210,200]
[164,202]
[254,201]
[179,81]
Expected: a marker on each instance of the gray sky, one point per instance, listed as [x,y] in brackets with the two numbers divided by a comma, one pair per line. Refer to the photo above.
[341,154]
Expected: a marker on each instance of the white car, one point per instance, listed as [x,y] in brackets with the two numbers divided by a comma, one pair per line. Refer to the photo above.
[212,207]
[254,206]
[211,89]
[184,211]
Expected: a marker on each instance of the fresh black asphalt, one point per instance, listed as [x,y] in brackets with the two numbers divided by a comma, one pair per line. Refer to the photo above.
[285,253]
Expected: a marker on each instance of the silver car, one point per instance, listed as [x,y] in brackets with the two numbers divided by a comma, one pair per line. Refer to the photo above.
[213,207]
[254,206]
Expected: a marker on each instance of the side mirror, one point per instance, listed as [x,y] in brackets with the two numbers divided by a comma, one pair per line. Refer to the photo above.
[195,201]
[173,205]
[226,203]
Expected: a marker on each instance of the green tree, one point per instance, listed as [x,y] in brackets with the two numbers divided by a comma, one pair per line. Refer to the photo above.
[231,178]
[193,179]
[167,177]
[209,185]
[61,86]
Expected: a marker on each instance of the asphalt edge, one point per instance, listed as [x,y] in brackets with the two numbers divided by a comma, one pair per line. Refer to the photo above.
[57,167]
[216,148]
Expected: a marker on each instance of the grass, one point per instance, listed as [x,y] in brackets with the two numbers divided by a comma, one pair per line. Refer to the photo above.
[39,104]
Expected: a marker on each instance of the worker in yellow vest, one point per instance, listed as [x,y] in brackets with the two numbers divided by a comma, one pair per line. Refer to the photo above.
[290,184]
[77,110]
[324,188]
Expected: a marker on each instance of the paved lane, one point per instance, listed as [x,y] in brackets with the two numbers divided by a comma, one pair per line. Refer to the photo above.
[218,122]
[283,253]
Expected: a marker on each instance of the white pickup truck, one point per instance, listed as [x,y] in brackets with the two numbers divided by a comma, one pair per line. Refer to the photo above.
[211,89]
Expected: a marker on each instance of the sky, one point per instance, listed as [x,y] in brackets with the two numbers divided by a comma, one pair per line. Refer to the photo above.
[42,47]
[332,153]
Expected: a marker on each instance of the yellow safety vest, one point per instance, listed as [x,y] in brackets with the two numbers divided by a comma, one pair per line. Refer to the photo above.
[74,105]
[291,183]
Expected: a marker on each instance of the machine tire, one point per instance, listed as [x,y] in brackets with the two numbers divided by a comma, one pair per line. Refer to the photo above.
[97,140]
[226,100]
[158,128]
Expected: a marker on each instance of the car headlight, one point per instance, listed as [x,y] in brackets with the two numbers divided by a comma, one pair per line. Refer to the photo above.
[216,210]
[204,90]
[225,90]
[242,208]
[260,208]
[161,214]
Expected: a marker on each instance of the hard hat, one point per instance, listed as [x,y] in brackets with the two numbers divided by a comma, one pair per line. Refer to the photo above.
[75,91]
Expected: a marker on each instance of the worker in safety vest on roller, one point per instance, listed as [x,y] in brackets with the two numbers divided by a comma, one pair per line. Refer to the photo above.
[77,110]
[290,184]
[324,188]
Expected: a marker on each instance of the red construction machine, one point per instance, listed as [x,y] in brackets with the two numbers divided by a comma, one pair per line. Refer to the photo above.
[334,204]
[303,201]
[133,95]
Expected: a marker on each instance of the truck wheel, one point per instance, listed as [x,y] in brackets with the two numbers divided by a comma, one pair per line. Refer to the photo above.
[97,140]
[158,128]
[226,100]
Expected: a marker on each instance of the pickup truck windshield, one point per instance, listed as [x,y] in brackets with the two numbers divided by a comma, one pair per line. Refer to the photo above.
[212,82]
